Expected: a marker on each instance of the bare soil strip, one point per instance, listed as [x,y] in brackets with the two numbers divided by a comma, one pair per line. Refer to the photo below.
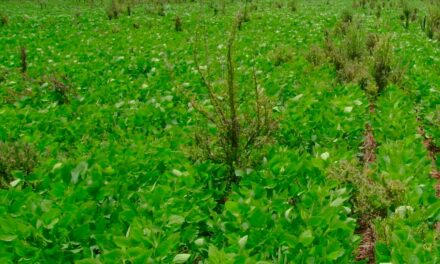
[366,248]
[432,152]
[365,230]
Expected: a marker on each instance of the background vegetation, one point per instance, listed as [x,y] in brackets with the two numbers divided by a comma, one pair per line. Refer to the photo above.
[219,131]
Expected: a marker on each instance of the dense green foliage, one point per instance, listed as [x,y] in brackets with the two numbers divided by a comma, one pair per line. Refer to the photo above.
[98,158]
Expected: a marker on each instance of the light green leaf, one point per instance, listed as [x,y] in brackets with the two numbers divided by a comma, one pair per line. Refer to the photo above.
[177,172]
[306,237]
[348,109]
[181,258]
[7,238]
[199,242]
[336,254]
[15,183]
[287,214]
[242,241]
[57,166]
[337,202]
[79,169]
[121,241]
[176,220]
[218,256]
[52,223]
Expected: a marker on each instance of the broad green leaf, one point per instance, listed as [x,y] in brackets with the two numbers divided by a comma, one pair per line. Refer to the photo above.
[325,155]
[121,241]
[8,238]
[336,253]
[199,242]
[306,237]
[181,258]
[79,169]
[258,218]
[15,182]
[242,241]
[337,202]
[176,220]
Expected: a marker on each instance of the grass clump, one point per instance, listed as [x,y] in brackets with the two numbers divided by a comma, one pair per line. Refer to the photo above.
[346,21]
[354,43]
[431,23]
[347,16]
[3,74]
[23,58]
[160,9]
[382,63]
[293,5]
[43,4]
[371,41]
[371,199]
[355,72]
[242,17]
[16,156]
[4,19]
[60,88]
[113,9]
[365,59]
[177,24]
[218,6]
[278,4]
[315,55]
[408,14]
[280,55]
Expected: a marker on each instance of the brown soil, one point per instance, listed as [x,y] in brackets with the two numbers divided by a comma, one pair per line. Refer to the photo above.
[369,145]
[366,248]
[366,231]
[432,152]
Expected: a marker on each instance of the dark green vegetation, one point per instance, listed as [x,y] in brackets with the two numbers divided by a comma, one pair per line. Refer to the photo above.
[219,131]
